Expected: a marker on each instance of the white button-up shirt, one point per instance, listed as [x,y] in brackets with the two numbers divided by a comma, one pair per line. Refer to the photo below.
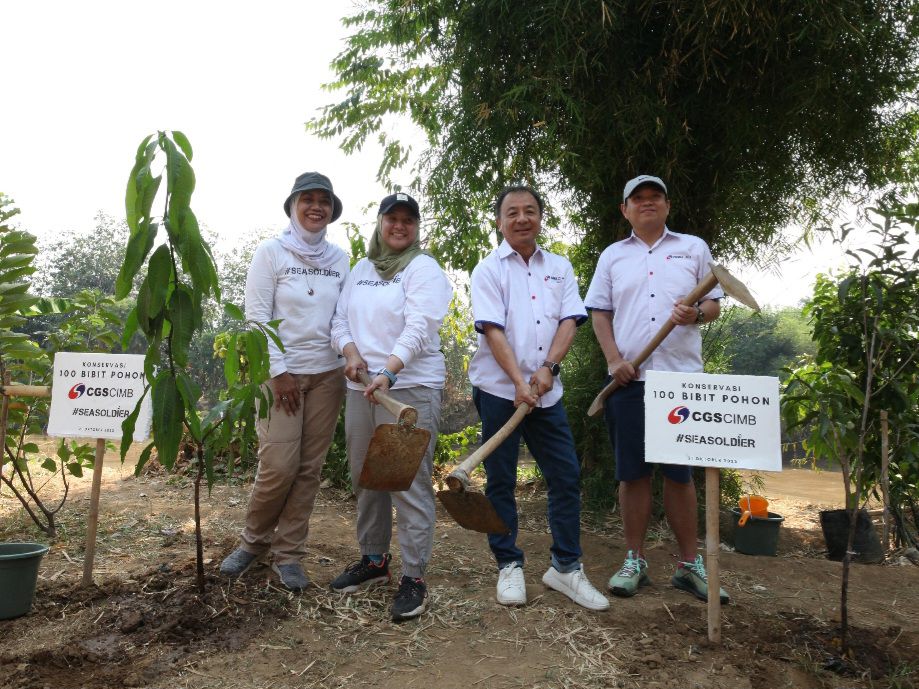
[640,284]
[528,301]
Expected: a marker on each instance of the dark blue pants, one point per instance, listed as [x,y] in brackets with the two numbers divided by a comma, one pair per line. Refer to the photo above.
[548,437]
[624,412]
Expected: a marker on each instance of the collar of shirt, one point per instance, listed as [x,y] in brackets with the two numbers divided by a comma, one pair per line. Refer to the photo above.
[635,238]
[505,250]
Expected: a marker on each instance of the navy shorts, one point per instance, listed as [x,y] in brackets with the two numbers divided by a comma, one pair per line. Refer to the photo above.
[624,412]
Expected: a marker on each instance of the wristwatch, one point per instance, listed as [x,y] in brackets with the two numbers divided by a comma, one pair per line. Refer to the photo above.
[389,374]
[553,367]
[700,315]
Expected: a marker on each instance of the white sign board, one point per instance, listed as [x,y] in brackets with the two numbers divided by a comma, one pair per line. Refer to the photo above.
[93,393]
[708,420]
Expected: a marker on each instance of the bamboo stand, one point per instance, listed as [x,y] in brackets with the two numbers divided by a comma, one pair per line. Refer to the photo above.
[93,521]
[712,539]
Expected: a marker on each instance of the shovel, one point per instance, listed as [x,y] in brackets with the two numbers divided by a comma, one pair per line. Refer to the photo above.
[471,509]
[718,275]
[396,449]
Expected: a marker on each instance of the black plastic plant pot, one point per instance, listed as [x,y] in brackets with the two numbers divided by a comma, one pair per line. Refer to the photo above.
[18,576]
[867,546]
[759,536]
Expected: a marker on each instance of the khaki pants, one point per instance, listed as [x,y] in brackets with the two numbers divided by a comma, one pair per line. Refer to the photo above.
[415,506]
[292,450]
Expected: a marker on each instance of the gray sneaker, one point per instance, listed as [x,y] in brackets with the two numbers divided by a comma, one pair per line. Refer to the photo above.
[691,576]
[632,575]
[292,576]
[238,563]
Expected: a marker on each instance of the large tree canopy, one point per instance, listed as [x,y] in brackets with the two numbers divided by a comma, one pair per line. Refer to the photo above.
[757,113]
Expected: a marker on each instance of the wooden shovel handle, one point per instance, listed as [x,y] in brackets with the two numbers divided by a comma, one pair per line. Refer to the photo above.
[404,413]
[704,287]
[458,479]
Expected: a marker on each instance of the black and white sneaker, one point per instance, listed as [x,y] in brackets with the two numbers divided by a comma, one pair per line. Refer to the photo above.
[362,574]
[411,600]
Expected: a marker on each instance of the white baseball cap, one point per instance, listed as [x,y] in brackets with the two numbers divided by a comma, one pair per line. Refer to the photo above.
[633,184]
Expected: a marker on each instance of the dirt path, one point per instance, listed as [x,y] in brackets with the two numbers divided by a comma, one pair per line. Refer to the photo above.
[144,626]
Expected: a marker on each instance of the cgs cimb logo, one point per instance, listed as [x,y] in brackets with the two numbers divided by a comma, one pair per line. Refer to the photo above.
[681,414]
[78,390]
[678,415]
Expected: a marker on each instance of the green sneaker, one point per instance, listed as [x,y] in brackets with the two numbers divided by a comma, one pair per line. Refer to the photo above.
[632,575]
[691,576]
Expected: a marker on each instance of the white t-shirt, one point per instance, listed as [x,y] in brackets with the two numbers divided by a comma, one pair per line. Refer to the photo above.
[278,286]
[401,316]
[528,301]
[639,284]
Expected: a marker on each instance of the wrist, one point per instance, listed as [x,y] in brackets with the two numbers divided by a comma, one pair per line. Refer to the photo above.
[389,375]
[553,366]
[700,315]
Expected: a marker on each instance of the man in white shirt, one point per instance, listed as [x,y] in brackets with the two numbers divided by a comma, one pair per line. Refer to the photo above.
[638,285]
[526,307]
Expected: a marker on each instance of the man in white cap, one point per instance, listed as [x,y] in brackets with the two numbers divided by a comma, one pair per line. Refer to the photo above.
[637,287]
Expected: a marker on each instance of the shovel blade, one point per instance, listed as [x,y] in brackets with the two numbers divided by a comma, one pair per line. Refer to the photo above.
[472,511]
[393,458]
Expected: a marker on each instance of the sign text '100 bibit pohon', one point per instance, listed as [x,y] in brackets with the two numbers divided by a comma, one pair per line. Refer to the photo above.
[708,420]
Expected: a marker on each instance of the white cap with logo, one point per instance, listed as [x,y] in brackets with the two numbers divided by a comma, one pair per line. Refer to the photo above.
[633,184]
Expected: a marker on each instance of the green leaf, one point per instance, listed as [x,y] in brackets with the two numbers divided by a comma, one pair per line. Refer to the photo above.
[168,418]
[130,327]
[182,317]
[139,244]
[231,362]
[257,354]
[128,425]
[233,311]
[183,143]
[49,465]
[142,459]
[30,448]
[180,181]
[191,393]
[159,279]
[76,469]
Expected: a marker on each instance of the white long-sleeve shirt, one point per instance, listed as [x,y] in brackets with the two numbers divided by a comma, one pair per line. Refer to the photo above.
[278,286]
[401,316]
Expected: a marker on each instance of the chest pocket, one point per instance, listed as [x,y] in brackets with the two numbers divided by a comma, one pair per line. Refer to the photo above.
[553,296]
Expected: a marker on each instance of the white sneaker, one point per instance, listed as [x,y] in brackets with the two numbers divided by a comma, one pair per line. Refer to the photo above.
[512,588]
[576,586]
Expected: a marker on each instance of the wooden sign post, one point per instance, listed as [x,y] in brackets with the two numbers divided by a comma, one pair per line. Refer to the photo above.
[91,396]
[715,422]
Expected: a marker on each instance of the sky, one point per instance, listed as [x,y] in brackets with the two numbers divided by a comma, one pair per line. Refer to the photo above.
[85,82]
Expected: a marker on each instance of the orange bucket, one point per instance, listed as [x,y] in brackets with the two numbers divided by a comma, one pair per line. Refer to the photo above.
[752,506]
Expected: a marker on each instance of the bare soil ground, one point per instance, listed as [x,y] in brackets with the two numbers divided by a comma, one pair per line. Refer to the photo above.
[144,625]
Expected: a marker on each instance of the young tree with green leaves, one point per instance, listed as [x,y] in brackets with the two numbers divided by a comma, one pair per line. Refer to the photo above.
[180,277]
[866,331]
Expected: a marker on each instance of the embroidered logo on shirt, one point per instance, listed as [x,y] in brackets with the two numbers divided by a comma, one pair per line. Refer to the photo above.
[379,283]
[554,278]
[321,272]
[678,256]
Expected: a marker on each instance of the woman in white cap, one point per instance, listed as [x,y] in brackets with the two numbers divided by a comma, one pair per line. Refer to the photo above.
[387,322]
[296,278]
